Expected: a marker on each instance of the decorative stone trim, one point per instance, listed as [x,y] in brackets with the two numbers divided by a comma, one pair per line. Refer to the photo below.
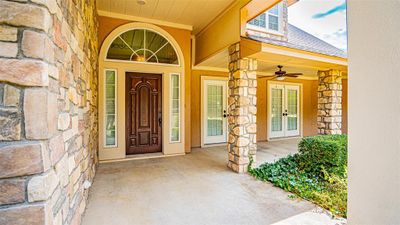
[329,102]
[242,109]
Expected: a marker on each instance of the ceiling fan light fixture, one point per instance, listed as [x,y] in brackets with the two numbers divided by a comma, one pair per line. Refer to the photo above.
[141,2]
[280,78]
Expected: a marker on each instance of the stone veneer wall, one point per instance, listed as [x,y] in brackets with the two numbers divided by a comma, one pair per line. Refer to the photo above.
[329,102]
[48,109]
[242,110]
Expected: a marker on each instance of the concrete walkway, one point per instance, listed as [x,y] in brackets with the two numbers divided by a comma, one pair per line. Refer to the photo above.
[195,189]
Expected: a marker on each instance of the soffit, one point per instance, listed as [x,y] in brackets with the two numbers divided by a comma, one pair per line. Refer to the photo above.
[195,13]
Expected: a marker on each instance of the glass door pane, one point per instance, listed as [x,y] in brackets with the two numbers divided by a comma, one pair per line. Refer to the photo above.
[276,109]
[292,106]
[214,110]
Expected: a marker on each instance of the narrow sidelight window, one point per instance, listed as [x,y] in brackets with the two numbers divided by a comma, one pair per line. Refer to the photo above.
[175,108]
[110,108]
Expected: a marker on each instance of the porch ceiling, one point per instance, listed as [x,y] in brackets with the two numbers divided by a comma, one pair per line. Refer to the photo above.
[219,62]
[192,13]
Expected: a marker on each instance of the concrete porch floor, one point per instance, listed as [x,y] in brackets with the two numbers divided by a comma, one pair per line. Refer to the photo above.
[197,188]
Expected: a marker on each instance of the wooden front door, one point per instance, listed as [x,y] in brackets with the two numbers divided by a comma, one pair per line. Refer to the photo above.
[143,113]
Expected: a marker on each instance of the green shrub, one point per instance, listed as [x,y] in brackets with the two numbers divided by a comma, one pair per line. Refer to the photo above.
[317,173]
[325,152]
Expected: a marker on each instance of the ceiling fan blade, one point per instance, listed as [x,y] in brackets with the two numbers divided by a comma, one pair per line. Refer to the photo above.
[293,74]
[268,76]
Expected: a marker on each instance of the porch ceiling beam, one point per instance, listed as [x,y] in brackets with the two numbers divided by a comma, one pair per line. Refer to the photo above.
[219,34]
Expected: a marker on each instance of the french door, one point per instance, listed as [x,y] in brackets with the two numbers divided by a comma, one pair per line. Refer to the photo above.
[284,113]
[214,111]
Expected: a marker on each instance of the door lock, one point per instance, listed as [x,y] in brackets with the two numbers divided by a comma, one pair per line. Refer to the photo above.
[225,114]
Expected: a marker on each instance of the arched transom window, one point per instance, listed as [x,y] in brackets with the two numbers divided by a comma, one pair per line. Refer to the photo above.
[142,46]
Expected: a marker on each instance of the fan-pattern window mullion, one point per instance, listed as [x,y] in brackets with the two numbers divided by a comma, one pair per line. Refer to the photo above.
[143,46]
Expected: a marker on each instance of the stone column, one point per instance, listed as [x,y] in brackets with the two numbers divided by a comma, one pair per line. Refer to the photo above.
[329,102]
[242,100]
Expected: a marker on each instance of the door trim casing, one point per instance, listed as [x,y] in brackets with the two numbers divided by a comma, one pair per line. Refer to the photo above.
[202,116]
[269,83]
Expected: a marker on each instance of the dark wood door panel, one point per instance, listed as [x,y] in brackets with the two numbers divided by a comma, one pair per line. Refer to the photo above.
[143,113]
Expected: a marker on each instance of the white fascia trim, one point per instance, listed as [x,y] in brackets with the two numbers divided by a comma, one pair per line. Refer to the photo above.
[144,20]
[268,49]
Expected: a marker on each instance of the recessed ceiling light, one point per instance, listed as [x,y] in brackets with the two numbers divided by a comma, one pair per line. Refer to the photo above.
[141,2]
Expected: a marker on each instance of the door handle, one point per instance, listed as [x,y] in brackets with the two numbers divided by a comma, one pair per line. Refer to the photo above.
[284,114]
[159,119]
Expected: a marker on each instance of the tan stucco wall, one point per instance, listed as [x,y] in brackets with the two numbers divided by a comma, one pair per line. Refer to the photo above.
[309,105]
[183,38]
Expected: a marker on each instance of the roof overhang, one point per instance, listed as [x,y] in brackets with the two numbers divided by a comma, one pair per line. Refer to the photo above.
[294,57]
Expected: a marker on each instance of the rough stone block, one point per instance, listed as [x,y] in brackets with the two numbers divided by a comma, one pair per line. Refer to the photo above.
[56,147]
[75,125]
[71,164]
[243,101]
[21,160]
[242,142]
[8,49]
[40,110]
[62,172]
[36,45]
[28,15]
[63,121]
[12,191]
[23,215]
[8,33]
[242,120]
[10,123]
[41,187]
[24,72]
[252,129]
[11,95]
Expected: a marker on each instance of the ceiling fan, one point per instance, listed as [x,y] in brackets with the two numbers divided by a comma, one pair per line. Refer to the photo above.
[281,74]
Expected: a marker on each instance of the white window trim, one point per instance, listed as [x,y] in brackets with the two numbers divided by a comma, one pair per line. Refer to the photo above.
[170,108]
[266,29]
[105,109]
